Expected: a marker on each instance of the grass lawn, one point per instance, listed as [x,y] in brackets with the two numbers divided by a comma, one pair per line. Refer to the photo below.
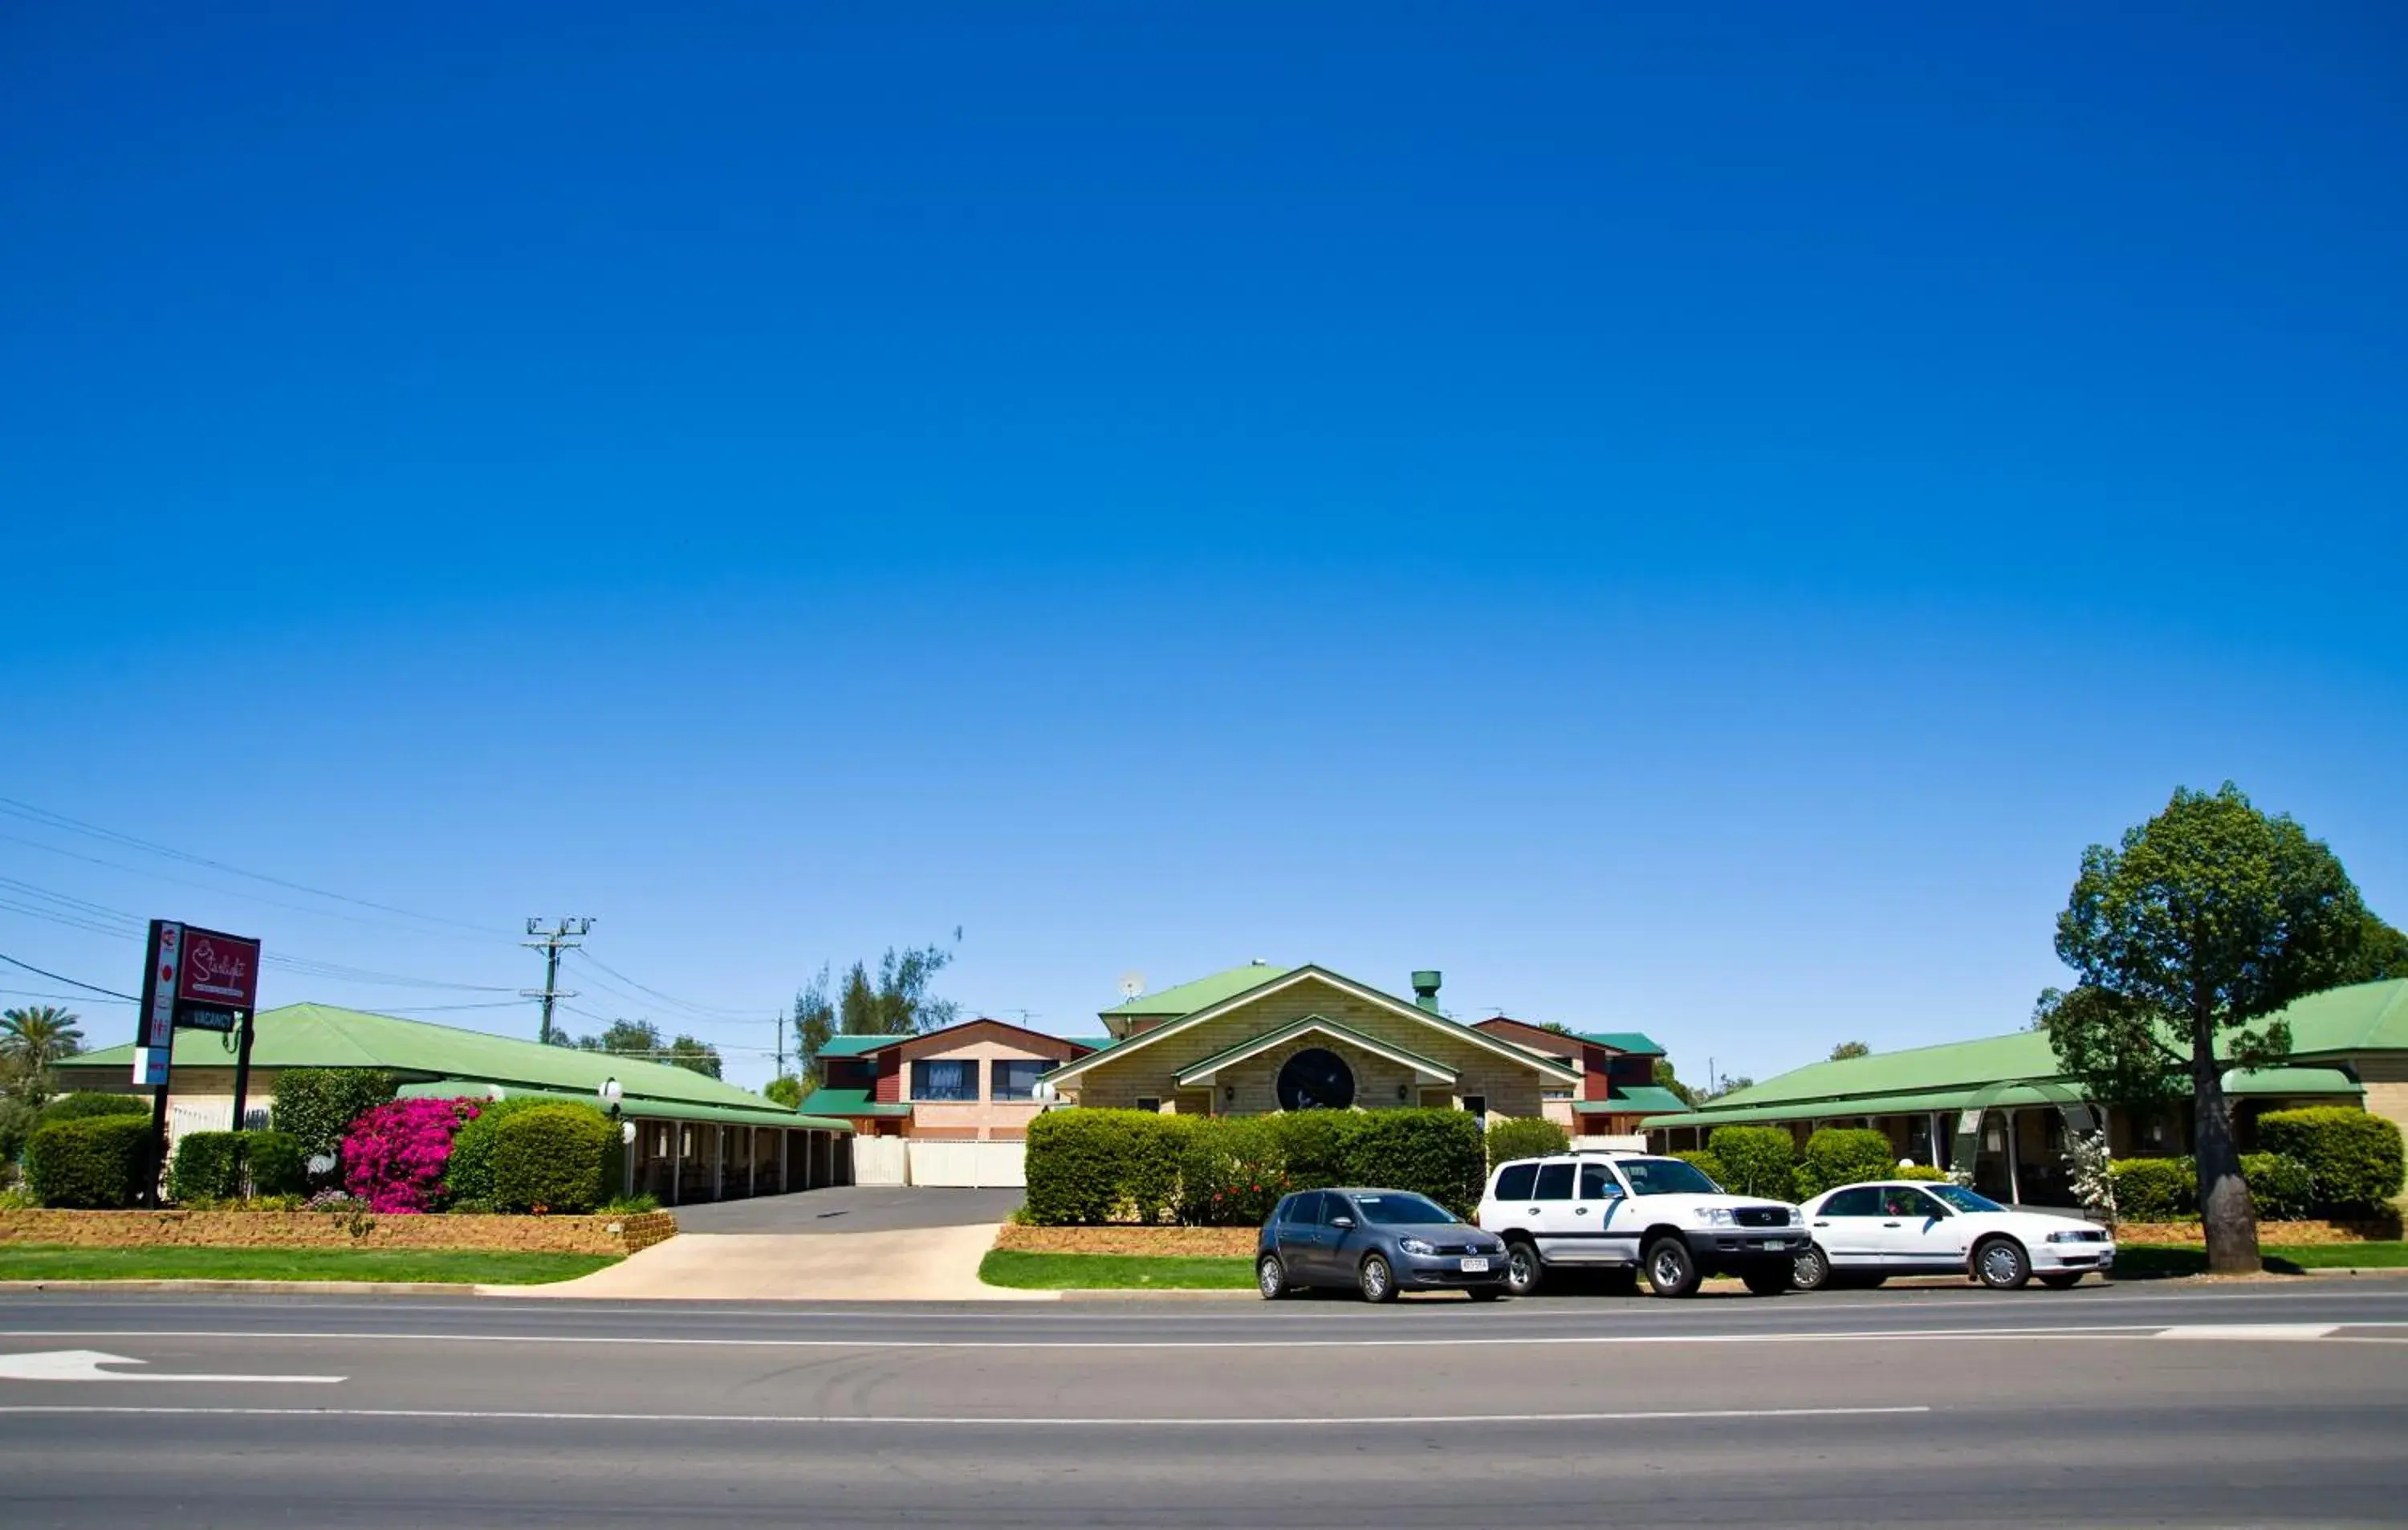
[2146,1260]
[1115,1272]
[56,1262]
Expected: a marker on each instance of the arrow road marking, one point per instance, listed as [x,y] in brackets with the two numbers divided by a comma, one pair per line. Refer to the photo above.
[84,1365]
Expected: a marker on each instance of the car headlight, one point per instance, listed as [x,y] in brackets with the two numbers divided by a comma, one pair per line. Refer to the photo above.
[1715,1216]
[1415,1245]
[2071,1237]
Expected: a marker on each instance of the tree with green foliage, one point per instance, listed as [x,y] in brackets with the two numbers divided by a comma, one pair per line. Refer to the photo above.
[1846,1050]
[2197,930]
[694,1056]
[785,1089]
[2382,954]
[814,1023]
[1666,1079]
[897,1002]
[38,1034]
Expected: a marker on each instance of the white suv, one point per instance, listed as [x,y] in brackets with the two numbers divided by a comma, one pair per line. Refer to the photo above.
[1659,1216]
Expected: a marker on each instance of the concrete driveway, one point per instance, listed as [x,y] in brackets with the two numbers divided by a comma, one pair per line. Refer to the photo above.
[837,1245]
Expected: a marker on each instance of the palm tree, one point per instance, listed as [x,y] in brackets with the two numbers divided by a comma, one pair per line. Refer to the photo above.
[39,1034]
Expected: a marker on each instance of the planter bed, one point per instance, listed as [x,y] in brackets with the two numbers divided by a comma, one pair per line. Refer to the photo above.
[585,1235]
[1157,1242]
[2290,1234]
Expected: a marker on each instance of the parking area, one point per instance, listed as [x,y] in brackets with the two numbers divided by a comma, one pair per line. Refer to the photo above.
[854,1209]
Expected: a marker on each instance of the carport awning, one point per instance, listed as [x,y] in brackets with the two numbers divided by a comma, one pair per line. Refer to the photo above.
[631,1108]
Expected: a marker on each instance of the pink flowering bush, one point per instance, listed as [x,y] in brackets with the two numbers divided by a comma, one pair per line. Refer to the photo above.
[394,1154]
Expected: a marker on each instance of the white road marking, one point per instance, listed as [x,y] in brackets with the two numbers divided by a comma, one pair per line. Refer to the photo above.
[905,1419]
[84,1365]
[2260,1330]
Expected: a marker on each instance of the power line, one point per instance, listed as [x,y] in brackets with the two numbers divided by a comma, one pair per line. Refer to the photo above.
[712,1011]
[72,998]
[48,818]
[71,982]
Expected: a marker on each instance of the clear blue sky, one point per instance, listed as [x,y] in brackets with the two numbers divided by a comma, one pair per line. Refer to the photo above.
[1683,523]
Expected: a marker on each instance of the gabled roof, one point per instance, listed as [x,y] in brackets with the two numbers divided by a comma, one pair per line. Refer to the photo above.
[1633,1042]
[322,1035]
[1647,1097]
[851,1102]
[856,1045]
[1202,1071]
[862,1046]
[1546,1066]
[1186,998]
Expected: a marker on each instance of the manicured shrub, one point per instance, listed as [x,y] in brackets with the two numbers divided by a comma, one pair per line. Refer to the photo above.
[1314,1144]
[1231,1172]
[1150,1180]
[1843,1155]
[2280,1188]
[1437,1153]
[468,1173]
[272,1164]
[1920,1173]
[208,1166]
[394,1154]
[96,1162]
[84,1104]
[1077,1166]
[316,1105]
[2353,1158]
[1706,1164]
[1525,1136]
[2155,1189]
[549,1159]
[1756,1160]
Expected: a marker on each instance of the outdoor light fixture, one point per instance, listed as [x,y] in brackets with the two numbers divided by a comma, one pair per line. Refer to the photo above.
[610,1093]
[627,1133]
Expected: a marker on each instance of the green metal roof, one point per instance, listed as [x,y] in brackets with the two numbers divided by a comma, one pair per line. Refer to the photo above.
[322,1035]
[1187,999]
[853,1046]
[1635,1097]
[637,1109]
[851,1102]
[2283,1080]
[1313,1023]
[1630,1041]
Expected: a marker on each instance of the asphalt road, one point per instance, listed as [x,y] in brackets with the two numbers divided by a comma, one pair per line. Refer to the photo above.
[2224,1405]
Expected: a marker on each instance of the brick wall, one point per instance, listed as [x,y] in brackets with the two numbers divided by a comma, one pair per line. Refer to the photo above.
[334,1230]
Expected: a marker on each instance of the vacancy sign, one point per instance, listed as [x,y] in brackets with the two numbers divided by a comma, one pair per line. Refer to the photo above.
[197,980]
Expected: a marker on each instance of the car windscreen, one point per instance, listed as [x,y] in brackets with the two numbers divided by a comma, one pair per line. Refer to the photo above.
[1964,1199]
[1396,1208]
[1665,1176]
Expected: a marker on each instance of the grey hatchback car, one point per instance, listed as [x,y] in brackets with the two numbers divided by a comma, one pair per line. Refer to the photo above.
[1378,1241]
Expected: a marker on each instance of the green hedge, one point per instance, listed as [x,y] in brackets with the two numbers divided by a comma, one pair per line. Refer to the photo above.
[316,1105]
[1757,1160]
[2155,1189]
[1844,1156]
[98,1163]
[1921,1173]
[1706,1164]
[222,1165]
[468,1173]
[84,1104]
[2353,1158]
[1525,1136]
[2279,1187]
[551,1159]
[208,1166]
[1095,1165]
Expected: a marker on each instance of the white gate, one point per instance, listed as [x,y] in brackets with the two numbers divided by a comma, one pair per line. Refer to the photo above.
[880,1160]
[969,1165]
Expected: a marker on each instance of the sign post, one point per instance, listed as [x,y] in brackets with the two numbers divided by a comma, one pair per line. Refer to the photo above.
[194,979]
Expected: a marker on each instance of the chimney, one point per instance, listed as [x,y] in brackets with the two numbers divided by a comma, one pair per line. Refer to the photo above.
[1426,989]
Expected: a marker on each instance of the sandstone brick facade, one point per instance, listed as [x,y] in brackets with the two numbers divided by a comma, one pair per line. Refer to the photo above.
[603,1235]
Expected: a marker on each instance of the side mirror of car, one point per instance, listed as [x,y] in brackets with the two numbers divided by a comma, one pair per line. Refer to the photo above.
[1342,1222]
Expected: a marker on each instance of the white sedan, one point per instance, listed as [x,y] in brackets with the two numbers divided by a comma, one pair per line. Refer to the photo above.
[1864,1234]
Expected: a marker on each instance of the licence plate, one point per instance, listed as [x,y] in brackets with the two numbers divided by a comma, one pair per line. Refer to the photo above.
[1475,1267]
[1774,1244]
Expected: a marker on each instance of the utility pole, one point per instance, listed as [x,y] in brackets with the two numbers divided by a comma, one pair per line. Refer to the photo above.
[778,1024]
[567,935]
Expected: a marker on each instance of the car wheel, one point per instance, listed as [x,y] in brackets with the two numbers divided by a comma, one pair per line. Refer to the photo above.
[1671,1269]
[1811,1270]
[1271,1276]
[2065,1280]
[1377,1281]
[1523,1269]
[1485,1293]
[1999,1264]
[1768,1280]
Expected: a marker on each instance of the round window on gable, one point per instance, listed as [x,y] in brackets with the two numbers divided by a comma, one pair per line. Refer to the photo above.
[1316,1079]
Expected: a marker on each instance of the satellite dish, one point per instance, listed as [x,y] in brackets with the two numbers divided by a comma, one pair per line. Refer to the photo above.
[1132,984]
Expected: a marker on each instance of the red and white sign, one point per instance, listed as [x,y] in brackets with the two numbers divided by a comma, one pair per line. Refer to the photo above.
[164,984]
[219,969]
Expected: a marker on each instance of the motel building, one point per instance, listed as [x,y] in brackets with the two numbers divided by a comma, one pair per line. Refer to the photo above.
[971,1082]
[693,1139]
[2002,1104]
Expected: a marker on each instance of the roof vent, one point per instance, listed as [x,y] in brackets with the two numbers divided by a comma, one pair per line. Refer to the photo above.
[1426,989]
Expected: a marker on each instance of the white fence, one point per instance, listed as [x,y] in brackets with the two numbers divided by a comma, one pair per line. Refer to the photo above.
[880,1160]
[971,1166]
